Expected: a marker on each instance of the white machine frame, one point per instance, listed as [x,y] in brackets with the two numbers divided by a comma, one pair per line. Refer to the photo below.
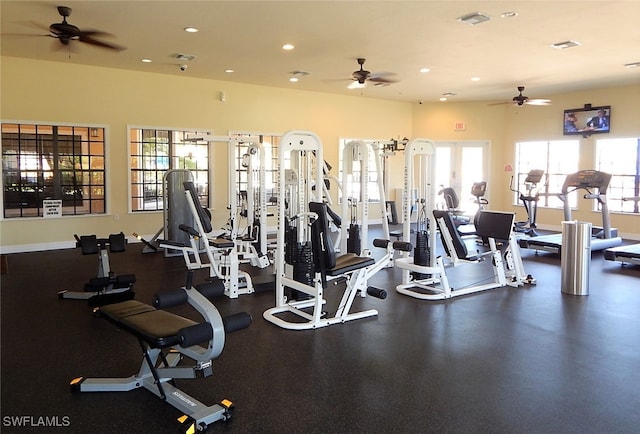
[358,151]
[437,287]
[305,151]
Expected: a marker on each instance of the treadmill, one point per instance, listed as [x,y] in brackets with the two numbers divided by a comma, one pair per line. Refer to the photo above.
[629,254]
[601,237]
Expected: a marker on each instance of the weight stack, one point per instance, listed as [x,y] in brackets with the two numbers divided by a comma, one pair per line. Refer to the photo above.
[303,271]
[421,254]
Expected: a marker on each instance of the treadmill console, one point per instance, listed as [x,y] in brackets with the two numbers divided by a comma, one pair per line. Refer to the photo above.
[587,179]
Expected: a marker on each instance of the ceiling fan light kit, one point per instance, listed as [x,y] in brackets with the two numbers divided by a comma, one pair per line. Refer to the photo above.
[362,76]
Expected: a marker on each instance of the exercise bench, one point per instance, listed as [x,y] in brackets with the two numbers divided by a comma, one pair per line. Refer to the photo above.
[167,339]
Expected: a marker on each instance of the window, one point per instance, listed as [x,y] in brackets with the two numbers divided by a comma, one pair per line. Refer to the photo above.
[53,162]
[155,151]
[621,158]
[354,178]
[557,158]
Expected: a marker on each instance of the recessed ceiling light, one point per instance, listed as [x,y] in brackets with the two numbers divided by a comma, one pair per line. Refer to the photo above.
[190,30]
[509,14]
[229,70]
[293,79]
[442,98]
[474,18]
[424,70]
[565,44]
[475,78]
[632,65]
[146,60]
[288,47]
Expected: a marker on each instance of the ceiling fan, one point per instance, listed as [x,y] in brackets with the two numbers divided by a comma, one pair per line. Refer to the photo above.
[521,99]
[362,76]
[66,32]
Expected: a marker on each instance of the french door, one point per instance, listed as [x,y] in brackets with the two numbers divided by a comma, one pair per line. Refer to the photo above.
[459,165]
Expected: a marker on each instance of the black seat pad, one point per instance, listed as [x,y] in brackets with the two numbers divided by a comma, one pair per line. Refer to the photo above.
[158,328]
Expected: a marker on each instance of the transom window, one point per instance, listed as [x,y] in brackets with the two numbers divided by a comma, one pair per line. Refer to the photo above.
[53,162]
[153,152]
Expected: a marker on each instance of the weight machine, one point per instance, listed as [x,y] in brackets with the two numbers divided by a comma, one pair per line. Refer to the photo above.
[356,191]
[305,260]
[424,275]
[222,255]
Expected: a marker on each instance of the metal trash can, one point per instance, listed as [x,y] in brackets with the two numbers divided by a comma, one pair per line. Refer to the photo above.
[575,256]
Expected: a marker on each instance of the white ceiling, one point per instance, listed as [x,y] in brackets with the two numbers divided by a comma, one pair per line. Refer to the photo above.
[394,36]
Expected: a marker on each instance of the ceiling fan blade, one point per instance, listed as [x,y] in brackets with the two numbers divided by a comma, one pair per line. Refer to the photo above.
[89,40]
[538,101]
[382,80]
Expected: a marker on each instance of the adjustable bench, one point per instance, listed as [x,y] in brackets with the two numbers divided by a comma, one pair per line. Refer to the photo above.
[167,339]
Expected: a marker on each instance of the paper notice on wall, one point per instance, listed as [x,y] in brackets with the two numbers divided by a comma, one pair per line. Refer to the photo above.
[52,208]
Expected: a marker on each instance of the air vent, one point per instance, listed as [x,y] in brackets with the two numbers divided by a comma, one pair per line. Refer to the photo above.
[566,44]
[185,57]
[474,18]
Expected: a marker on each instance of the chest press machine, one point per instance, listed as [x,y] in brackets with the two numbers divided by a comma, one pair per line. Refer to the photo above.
[305,259]
[167,340]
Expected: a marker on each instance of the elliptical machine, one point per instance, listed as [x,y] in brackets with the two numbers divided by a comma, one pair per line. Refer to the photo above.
[529,201]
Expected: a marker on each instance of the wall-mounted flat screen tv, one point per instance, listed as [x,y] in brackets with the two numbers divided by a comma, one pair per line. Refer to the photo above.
[587,120]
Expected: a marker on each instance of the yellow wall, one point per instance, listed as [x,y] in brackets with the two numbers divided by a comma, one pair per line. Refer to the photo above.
[504,125]
[41,91]
[57,92]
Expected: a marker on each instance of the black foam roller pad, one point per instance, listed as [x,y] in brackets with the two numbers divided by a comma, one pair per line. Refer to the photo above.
[237,321]
[195,334]
[212,289]
[166,299]
[377,292]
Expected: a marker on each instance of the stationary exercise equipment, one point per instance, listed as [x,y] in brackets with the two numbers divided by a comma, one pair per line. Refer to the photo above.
[424,275]
[107,287]
[250,206]
[602,237]
[452,202]
[173,347]
[355,194]
[529,201]
[507,267]
[175,212]
[221,253]
[305,259]
[424,269]
[629,254]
